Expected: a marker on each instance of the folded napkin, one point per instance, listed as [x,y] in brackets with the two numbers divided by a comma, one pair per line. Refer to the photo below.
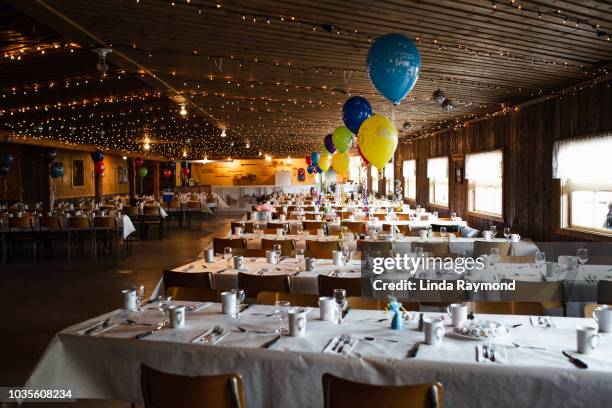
[341,345]
[542,321]
[197,306]
[214,338]
[97,327]
[491,354]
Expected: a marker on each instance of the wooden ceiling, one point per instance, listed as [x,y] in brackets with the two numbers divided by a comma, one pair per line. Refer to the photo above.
[276,73]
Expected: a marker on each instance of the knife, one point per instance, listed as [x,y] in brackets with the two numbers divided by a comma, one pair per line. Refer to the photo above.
[143,335]
[222,270]
[271,342]
[413,351]
[97,327]
[575,361]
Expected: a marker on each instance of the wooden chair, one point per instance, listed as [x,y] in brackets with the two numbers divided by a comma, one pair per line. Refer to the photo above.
[327,284]
[549,294]
[219,244]
[295,299]
[404,229]
[194,210]
[313,226]
[402,217]
[51,231]
[21,233]
[452,228]
[375,248]
[163,390]
[356,227]
[151,216]
[249,252]
[107,231]
[380,216]
[80,230]
[253,284]
[437,249]
[509,308]
[517,259]
[484,248]
[277,224]
[241,224]
[604,292]
[341,393]
[175,210]
[287,246]
[321,249]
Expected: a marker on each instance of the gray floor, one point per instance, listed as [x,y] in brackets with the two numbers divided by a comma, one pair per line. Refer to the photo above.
[40,298]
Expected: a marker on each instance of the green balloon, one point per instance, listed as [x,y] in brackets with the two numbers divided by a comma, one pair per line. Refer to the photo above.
[142,171]
[342,138]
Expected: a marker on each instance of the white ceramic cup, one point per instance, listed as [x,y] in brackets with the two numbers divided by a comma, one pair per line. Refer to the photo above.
[486,235]
[177,316]
[515,237]
[434,331]
[228,303]
[283,217]
[337,257]
[423,234]
[458,313]
[297,322]
[210,255]
[238,262]
[327,308]
[587,339]
[279,232]
[129,299]
[271,257]
[238,231]
[603,317]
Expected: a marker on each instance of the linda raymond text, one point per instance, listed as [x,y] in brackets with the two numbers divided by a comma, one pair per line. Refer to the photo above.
[443,285]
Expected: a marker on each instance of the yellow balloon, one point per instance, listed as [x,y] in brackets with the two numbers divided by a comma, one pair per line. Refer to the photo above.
[324,162]
[340,163]
[377,140]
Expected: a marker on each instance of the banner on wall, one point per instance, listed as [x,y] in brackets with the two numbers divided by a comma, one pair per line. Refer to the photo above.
[283,178]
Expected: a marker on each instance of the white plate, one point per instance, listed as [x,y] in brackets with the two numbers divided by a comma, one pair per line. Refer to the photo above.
[500,330]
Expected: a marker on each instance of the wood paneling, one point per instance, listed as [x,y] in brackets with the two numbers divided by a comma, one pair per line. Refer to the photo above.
[10,185]
[527,136]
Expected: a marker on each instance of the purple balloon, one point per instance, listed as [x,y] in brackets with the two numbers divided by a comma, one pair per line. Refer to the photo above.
[329,144]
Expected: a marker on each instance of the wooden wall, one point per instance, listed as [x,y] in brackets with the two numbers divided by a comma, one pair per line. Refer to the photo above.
[10,185]
[531,196]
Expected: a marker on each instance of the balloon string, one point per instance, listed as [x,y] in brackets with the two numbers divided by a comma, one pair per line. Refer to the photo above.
[393,114]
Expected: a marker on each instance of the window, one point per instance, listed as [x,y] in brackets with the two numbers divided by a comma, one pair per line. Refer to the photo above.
[374,174]
[484,174]
[389,178]
[409,172]
[585,170]
[437,173]
[354,169]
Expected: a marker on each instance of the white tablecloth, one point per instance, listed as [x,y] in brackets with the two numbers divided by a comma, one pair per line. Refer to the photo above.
[128,226]
[289,374]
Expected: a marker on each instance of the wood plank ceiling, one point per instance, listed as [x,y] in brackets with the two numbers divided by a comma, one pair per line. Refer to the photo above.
[276,73]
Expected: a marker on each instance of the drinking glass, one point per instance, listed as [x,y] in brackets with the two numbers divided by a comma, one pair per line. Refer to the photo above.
[163,303]
[239,299]
[281,309]
[346,254]
[340,298]
[507,233]
[299,254]
[140,292]
[493,230]
[583,256]
[540,259]
[277,250]
[299,229]
[285,229]
[443,232]
[256,228]
[453,216]
[227,255]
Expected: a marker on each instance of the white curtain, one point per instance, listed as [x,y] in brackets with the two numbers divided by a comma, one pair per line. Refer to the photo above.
[484,166]
[409,168]
[585,159]
[437,168]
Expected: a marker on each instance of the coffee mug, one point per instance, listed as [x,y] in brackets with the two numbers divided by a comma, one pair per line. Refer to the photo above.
[458,313]
[603,317]
[209,255]
[486,235]
[228,303]
[129,299]
[238,262]
[238,231]
[282,217]
[587,339]
[515,237]
[279,232]
[423,234]
[271,257]
[310,262]
[327,308]
[434,331]
[297,322]
[337,257]
[177,316]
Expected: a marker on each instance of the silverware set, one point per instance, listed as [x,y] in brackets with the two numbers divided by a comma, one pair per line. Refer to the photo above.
[591,278]
[262,271]
[150,332]
[336,273]
[188,268]
[488,351]
[545,321]
[216,332]
[98,327]
[342,341]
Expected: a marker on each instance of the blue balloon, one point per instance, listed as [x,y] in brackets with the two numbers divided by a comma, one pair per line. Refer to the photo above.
[56,170]
[98,156]
[394,64]
[183,164]
[310,169]
[355,111]
[6,160]
[172,165]
[315,158]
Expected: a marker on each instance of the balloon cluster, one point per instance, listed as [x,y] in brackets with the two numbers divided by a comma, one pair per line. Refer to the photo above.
[441,99]
[185,168]
[98,158]
[56,170]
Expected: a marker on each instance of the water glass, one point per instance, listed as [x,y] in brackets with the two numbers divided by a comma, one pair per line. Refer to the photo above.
[340,298]
[299,254]
[163,303]
[227,255]
[583,256]
[140,292]
[239,299]
[453,216]
[299,229]
[286,229]
[281,308]
[443,232]
[346,254]
[507,233]
[540,259]
[277,250]
[493,230]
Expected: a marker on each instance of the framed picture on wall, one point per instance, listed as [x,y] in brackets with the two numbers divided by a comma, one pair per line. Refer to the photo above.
[78,173]
[122,173]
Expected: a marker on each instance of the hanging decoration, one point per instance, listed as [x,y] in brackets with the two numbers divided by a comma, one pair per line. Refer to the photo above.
[172,165]
[308,160]
[183,164]
[340,163]
[378,140]
[447,105]
[142,172]
[394,64]
[438,96]
[355,110]
[342,138]
[97,156]
[99,167]
[138,162]
[329,144]
[167,173]
[56,170]
[406,126]
[185,171]
[314,156]
[365,161]
[324,162]
[301,174]
[310,169]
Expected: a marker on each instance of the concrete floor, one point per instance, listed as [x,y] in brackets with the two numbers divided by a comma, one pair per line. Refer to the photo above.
[39,298]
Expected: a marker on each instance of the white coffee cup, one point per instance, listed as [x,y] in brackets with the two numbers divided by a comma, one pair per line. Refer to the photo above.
[271,257]
[458,313]
[337,257]
[515,237]
[177,316]
[434,331]
[320,233]
[486,235]
[587,339]
[603,317]
[238,231]
[282,217]
[423,234]
[297,322]
[228,303]
[327,308]
[129,299]
[210,255]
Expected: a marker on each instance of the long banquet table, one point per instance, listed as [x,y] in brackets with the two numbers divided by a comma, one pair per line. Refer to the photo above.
[107,365]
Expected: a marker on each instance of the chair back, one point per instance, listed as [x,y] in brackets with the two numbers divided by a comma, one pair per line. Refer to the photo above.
[104,222]
[287,245]
[484,248]
[51,223]
[550,294]
[321,249]
[341,393]
[174,204]
[454,228]
[404,229]
[253,284]
[294,299]
[79,223]
[187,279]
[356,227]
[277,224]
[240,224]
[517,259]
[163,390]
[219,244]
[508,308]
[402,216]
[604,291]
[327,284]
[151,211]
[131,211]
[249,252]
[194,205]
[21,223]
[313,226]
[438,249]
[374,248]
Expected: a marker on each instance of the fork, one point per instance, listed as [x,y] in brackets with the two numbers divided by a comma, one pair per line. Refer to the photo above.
[340,340]
[347,340]
[216,331]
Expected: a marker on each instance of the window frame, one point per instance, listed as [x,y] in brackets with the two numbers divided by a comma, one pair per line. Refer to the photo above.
[432,184]
[568,186]
[471,190]
[408,181]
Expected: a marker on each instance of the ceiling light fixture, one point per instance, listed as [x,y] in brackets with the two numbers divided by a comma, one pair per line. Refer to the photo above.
[102,66]
[183,110]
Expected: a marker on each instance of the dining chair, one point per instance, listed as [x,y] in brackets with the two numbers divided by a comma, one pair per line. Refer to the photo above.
[248,227]
[550,294]
[51,231]
[253,284]
[193,209]
[287,246]
[313,226]
[402,217]
[21,233]
[508,308]
[590,308]
[219,244]
[80,230]
[294,299]
[604,291]
[452,228]
[434,249]
[321,249]
[356,227]
[173,278]
[342,393]
[327,284]
[276,224]
[360,302]
[403,229]
[517,259]
[175,210]
[152,216]
[107,231]
[415,230]
[380,216]
[375,248]
[164,390]
[249,252]
[240,224]
[484,248]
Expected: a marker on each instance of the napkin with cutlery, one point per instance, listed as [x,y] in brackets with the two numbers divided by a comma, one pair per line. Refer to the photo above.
[197,306]
[211,336]
[97,328]
[491,354]
[341,345]
[542,321]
